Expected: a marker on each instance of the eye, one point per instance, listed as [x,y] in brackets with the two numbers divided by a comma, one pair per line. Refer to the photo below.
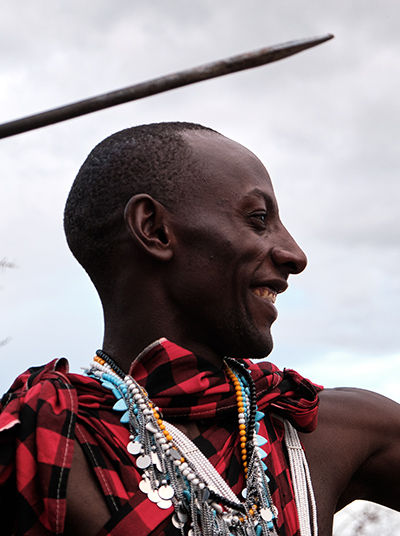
[259,218]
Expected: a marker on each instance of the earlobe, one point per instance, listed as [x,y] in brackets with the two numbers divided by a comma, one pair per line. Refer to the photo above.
[148,225]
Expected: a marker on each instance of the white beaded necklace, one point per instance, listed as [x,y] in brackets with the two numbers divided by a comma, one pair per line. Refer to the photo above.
[176,473]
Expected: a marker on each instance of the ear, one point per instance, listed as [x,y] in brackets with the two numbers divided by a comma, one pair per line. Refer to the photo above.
[148,224]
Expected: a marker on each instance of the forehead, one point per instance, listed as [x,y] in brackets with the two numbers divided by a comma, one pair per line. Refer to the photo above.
[227,171]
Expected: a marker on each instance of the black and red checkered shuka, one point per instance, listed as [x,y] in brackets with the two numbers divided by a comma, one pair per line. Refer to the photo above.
[48,408]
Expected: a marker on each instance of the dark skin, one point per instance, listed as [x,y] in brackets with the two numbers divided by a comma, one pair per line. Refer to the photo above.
[215,249]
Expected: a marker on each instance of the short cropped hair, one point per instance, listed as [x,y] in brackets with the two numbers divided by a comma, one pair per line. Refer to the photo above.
[152,159]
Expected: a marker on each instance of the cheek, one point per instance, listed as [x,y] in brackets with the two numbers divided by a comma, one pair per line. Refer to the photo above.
[205,254]
[204,280]
[207,285]
[214,263]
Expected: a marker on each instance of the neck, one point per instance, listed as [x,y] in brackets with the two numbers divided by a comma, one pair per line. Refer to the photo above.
[125,339]
[137,315]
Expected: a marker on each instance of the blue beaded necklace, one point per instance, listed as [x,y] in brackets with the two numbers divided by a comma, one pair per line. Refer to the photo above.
[169,475]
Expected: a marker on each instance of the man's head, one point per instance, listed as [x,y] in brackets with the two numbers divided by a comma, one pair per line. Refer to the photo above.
[198,234]
[150,159]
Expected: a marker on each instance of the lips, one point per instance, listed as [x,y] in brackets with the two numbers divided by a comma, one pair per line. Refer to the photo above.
[265,293]
[268,289]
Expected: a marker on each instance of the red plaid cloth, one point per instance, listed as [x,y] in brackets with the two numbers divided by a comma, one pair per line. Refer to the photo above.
[48,407]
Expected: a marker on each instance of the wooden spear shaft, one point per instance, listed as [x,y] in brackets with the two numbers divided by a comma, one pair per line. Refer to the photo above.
[214,69]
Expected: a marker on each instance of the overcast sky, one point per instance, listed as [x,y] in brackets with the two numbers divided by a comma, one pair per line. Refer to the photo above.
[324,122]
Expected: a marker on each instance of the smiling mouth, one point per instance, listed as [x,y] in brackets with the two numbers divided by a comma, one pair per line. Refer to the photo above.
[265,293]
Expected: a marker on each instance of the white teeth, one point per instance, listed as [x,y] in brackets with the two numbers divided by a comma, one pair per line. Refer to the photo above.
[265,293]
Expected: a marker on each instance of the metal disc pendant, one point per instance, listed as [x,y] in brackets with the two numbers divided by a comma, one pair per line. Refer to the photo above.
[275,510]
[134,447]
[166,492]
[266,514]
[182,516]
[176,523]
[151,427]
[164,505]
[153,496]
[156,460]
[143,461]
[144,486]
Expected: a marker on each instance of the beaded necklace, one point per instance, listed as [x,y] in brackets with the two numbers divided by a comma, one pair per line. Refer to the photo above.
[175,472]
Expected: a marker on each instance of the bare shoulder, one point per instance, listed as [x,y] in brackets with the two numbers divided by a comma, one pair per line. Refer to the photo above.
[368,420]
[359,409]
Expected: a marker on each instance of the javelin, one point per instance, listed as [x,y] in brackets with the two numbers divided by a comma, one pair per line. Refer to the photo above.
[214,69]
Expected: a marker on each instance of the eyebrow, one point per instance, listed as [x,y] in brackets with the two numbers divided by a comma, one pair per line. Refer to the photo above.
[257,192]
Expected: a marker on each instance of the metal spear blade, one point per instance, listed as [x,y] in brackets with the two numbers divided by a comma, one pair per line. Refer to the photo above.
[214,69]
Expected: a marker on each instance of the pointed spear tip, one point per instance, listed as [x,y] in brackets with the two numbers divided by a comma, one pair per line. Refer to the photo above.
[325,37]
[307,42]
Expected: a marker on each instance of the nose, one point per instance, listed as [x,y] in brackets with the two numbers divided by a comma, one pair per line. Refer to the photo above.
[289,254]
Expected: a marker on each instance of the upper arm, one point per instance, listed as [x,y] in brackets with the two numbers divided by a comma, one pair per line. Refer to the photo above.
[377,478]
[353,453]
[87,511]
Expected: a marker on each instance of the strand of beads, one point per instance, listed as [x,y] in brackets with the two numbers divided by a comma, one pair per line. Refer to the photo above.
[189,490]
[150,441]
[174,472]
[241,397]
[223,493]
[205,469]
[244,388]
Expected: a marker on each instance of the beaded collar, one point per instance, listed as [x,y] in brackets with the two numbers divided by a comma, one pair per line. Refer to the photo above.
[176,474]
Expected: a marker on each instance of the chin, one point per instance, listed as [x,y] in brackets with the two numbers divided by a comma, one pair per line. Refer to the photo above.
[263,352]
[252,347]
[241,338]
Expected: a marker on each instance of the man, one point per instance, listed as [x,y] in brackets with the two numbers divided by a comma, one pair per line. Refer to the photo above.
[179,230]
